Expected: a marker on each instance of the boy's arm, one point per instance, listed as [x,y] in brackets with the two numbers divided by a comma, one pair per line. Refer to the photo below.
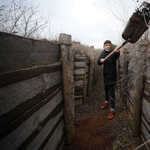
[117,53]
[101,57]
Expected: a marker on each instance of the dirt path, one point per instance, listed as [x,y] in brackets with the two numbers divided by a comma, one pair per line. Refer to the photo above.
[94,131]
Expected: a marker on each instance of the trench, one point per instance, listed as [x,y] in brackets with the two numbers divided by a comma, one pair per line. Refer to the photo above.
[94,131]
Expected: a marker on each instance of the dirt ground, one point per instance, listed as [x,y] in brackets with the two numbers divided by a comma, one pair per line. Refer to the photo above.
[94,131]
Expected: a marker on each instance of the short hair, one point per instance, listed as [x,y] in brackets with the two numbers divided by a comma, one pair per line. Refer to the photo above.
[107,41]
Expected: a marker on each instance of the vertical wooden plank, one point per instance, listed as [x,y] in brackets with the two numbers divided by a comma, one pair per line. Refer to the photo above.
[67,55]
[138,89]
[84,84]
[90,75]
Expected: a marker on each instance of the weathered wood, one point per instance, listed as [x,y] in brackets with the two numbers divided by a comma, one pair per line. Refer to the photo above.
[47,133]
[27,105]
[78,93]
[138,89]
[16,94]
[130,92]
[79,55]
[19,52]
[147,75]
[144,140]
[78,83]
[78,102]
[55,138]
[129,97]
[84,86]
[79,78]
[86,69]
[87,60]
[87,82]
[79,60]
[145,133]
[130,107]
[79,71]
[67,55]
[27,73]
[40,130]
[24,130]
[145,109]
[90,75]
[78,75]
[62,145]
[78,88]
[78,96]
[145,123]
[77,68]
[79,64]
[146,93]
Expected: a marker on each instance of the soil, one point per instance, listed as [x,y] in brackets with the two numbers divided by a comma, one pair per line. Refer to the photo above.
[94,131]
[142,15]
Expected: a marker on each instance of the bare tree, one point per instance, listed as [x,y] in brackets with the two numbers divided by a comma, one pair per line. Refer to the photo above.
[18,17]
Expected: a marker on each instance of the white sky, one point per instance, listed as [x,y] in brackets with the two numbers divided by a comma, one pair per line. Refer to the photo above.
[87,21]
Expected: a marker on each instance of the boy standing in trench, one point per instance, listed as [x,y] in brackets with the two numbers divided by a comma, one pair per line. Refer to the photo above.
[110,75]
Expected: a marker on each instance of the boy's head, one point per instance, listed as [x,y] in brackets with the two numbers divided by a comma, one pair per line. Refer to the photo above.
[107,45]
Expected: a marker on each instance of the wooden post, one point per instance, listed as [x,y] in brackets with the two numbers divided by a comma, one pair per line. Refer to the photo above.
[124,74]
[67,56]
[138,89]
[84,83]
[91,74]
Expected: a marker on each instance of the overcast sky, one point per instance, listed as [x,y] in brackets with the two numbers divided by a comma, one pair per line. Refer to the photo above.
[90,22]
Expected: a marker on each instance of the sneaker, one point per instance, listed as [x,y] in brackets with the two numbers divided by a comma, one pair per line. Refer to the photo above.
[105,105]
[112,114]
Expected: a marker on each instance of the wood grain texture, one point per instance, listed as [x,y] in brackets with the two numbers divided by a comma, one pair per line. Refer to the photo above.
[24,130]
[67,55]
[78,83]
[145,133]
[45,132]
[27,73]
[55,138]
[79,64]
[27,105]
[144,140]
[146,109]
[146,124]
[16,94]
[18,52]
[79,71]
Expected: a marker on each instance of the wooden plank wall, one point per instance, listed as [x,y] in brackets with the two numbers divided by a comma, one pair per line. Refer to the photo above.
[128,78]
[81,73]
[145,112]
[31,101]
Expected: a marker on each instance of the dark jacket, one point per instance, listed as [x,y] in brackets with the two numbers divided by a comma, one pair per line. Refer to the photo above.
[109,68]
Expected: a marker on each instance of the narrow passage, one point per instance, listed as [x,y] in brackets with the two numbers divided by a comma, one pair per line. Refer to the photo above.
[94,131]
